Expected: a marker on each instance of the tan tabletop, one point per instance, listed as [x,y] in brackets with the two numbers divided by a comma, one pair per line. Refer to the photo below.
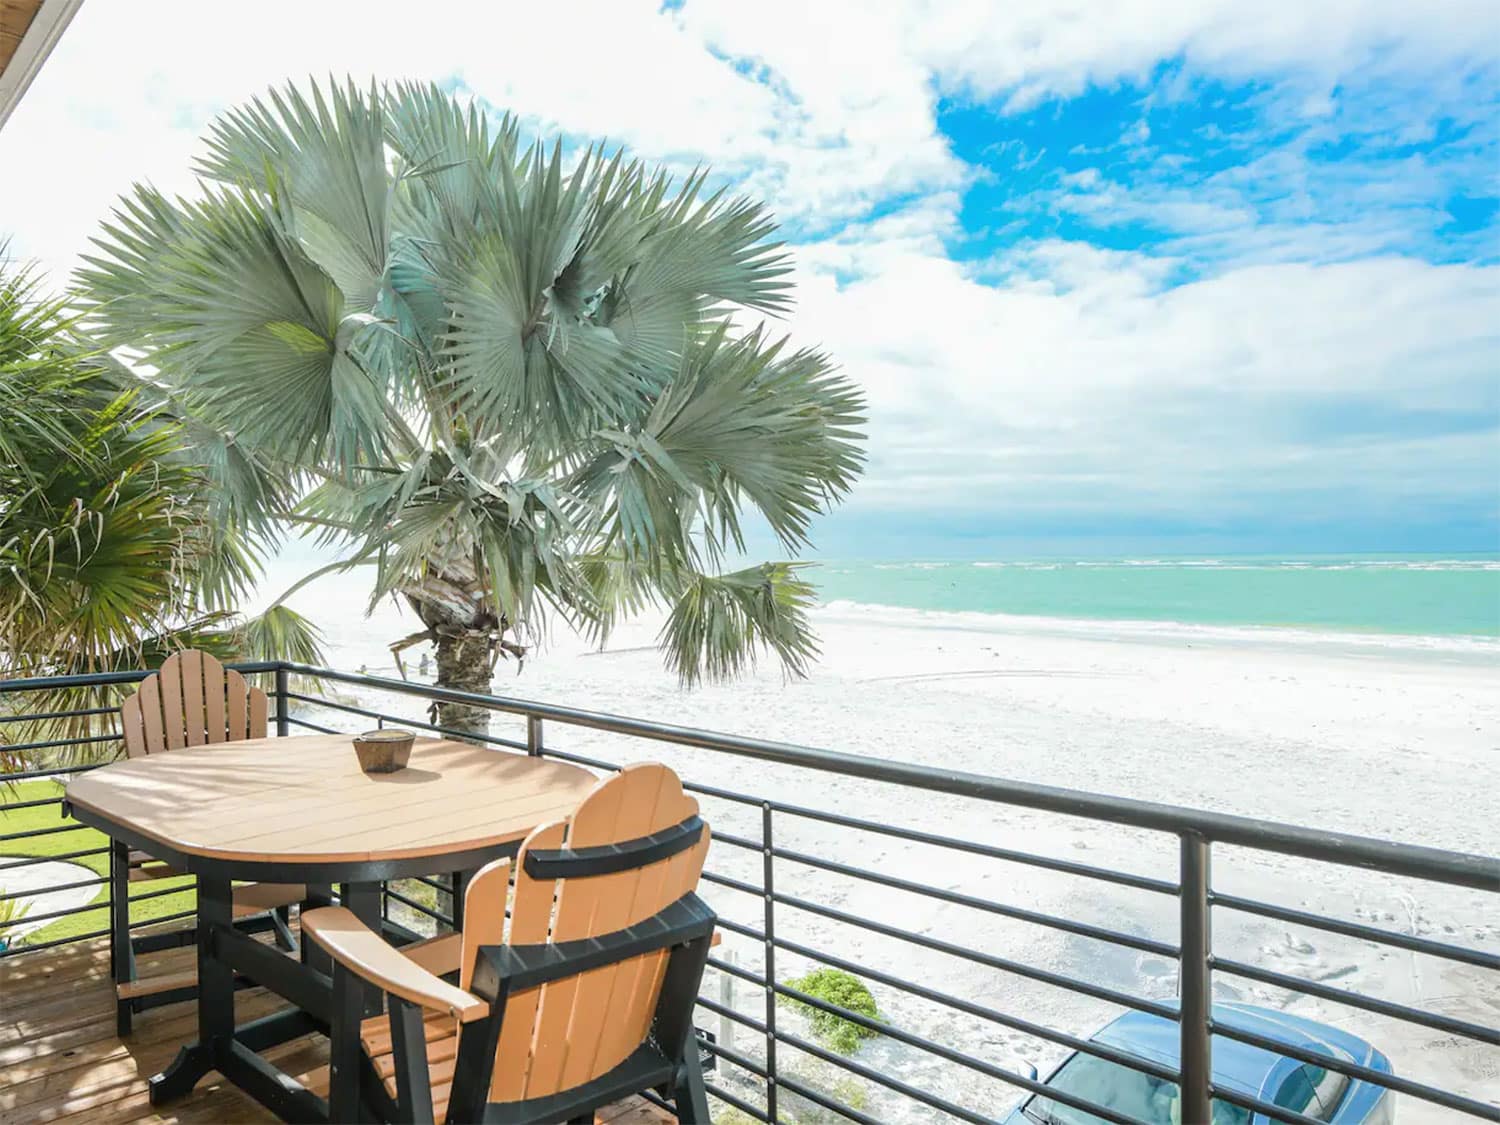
[303,803]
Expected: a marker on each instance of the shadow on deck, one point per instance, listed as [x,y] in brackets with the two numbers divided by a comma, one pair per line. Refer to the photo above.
[60,1059]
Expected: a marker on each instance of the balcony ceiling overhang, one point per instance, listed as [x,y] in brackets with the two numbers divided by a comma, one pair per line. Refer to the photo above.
[29,30]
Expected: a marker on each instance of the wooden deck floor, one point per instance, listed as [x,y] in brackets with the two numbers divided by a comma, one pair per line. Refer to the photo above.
[61,1061]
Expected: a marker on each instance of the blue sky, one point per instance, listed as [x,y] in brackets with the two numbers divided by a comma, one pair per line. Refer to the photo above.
[1116,276]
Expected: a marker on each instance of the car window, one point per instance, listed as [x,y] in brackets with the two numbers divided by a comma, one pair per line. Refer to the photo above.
[1128,1092]
[1312,1090]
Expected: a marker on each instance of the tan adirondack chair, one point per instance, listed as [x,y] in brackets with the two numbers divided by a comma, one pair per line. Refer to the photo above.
[585,998]
[191,700]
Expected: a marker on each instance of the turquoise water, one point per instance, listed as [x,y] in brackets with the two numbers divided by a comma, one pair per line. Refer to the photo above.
[1439,596]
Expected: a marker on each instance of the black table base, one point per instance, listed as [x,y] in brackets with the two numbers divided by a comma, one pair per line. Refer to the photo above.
[233,1050]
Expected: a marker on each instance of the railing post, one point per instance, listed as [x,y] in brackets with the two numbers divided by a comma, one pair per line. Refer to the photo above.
[283,728]
[770,959]
[1194,982]
[534,745]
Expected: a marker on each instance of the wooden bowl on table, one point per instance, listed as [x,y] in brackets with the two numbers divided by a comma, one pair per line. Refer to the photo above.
[384,751]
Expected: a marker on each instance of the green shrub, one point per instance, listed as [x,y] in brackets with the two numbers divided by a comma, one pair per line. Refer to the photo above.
[834,986]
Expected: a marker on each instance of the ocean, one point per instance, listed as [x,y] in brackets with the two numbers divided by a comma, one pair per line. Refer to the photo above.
[1453,599]
[1402,594]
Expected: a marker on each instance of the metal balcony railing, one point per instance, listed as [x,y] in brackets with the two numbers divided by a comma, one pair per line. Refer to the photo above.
[768,876]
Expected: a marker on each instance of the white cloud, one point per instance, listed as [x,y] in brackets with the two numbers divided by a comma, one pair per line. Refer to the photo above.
[1083,381]
[1055,374]
[1029,49]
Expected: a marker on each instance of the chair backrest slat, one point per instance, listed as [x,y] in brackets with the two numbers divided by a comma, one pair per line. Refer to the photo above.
[568,1032]
[213,701]
[169,680]
[133,726]
[194,721]
[237,721]
[255,725]
[530,919]
[191,700]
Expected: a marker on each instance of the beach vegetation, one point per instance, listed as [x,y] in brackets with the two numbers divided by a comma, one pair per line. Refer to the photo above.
[115,546]
[840,989]
[512,383]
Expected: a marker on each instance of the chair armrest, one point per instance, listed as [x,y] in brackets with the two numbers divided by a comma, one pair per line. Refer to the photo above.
[365,953]
[517,967]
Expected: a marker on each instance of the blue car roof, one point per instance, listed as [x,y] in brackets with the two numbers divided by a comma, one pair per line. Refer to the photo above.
[1235,1064]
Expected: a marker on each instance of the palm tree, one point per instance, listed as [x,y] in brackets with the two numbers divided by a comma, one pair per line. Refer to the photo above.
[507,381]
[113,552]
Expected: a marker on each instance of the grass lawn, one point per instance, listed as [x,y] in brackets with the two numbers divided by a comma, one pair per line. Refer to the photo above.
[95,918]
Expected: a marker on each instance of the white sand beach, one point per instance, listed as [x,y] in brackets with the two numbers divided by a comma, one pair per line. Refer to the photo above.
[1391,737]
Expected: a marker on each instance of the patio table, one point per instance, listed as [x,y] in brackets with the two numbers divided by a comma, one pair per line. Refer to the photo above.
[299,810]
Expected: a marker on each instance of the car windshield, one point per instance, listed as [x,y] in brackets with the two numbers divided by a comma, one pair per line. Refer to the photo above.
[1116,1087]
[1312,1090]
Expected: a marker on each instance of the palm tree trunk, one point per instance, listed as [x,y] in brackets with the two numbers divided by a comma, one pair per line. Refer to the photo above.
[463,663]
[452,603]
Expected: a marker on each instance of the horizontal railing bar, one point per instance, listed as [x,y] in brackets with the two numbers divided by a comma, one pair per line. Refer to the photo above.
[1389,1081]
[1357,930]
[420,908]
[320,701]
[58,743]
[1358,1000]
[16,806]
[144,922]
[974,847]
[32,833]
[49,916]
[33,860]
[969,1007]
[583,760]
[1461,869]
[32,919]
[915,1093]
[736,1102]
[740,928]
[744,1062]
[718,1009]
[312,726]
[41,945]
[733,884]
[1260,1106]
[131,676]
[99,882]
[827,1101]
[738,841]
[26,717]
[181,889]
[737,971]
[657,1101]
[1083,929]
[47,771]
[1044,976]
[722,794]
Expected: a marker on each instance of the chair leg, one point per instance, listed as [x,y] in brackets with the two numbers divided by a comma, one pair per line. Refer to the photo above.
[343,1048]
[689,1096]
[121,952]
[409,1054]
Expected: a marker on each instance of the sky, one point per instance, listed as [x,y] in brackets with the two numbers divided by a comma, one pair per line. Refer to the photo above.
[1115,274]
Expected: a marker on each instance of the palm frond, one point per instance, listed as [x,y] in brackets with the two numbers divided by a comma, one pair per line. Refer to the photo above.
[719,623]
[323,158]
[241,321]
[281,633]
